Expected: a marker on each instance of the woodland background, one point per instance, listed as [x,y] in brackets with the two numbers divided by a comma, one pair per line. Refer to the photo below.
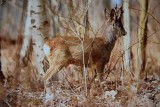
[20,83]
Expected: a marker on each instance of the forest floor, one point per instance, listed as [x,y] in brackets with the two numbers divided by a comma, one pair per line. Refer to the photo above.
[70,92]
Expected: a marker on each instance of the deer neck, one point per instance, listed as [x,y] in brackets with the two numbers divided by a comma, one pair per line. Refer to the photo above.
[110,36]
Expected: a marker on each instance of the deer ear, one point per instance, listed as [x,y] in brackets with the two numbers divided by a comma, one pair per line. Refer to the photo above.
[112,13]
[121,9]
[120,12]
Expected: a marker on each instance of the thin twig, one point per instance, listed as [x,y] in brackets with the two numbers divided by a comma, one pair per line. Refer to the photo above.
[126,50]
[148,14]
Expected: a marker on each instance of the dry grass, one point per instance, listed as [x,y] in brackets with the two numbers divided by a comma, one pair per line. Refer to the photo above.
[27,90]
[69,90]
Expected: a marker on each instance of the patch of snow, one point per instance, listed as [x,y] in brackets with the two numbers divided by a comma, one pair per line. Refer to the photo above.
[111,94]
[46,49]
[48,97]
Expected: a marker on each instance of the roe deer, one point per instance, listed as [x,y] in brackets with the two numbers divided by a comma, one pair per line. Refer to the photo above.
[64,50]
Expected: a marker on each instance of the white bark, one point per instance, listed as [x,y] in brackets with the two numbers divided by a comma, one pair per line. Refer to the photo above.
[39,29]
[126,15]
[27,36]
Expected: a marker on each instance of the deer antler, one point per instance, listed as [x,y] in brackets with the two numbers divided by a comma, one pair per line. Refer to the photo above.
[121,9]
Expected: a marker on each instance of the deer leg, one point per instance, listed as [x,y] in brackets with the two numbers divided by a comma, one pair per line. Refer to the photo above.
[92,72]
[47,84]
[59,59]
[52,71]
[99,72]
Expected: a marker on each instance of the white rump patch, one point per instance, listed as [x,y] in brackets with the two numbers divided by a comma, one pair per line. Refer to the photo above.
[46,49]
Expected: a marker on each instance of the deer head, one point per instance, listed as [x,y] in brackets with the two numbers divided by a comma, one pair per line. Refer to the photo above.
[115,27]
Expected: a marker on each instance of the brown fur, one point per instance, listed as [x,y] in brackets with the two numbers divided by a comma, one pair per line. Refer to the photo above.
[67,50]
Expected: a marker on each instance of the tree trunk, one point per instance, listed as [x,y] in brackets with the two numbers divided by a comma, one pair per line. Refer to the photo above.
[142,36]
[87,26]
[127,55]
[39,28]
[26,36]
[127,41]
[19,43]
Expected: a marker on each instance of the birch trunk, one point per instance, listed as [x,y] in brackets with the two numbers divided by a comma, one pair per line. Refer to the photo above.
[39,27]
[126,15]
[127,53]
[26,36]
